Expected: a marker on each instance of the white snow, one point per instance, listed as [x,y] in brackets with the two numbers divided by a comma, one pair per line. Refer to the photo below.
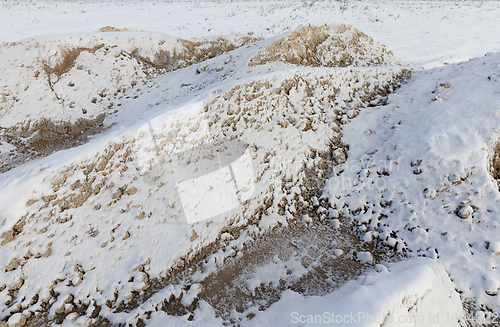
[275,271]
[364,257]
[6,147]
[204,317]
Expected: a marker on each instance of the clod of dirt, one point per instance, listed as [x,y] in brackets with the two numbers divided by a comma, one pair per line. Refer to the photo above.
[495,163]
[119,192]
[11,234]
[17,320]
[441,87]
[13,264]
[445,85]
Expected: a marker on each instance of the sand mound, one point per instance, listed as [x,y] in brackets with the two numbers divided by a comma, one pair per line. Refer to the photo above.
[103,201]
[328,46]
[77,81]
[96,228]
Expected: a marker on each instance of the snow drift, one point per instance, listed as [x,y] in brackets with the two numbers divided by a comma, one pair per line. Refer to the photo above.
[410,293]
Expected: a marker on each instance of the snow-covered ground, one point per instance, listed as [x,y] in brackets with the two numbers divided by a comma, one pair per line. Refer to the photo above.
[421,32]
[138,162]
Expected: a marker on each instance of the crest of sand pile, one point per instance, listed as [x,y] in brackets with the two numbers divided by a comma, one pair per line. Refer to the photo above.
[328,46]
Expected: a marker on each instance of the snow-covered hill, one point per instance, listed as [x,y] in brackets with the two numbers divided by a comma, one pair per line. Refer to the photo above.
[151,179]
[156,180]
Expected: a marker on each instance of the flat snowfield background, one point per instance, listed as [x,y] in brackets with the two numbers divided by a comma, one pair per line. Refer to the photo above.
[423,33]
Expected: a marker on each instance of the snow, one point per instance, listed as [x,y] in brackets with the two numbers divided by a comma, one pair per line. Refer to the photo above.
[410,293]
[99,221]
[204,316]
[6,147]
[436,158]
[274,272]
[364,257]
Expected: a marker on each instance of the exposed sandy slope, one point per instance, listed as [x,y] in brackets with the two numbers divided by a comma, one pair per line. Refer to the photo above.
[327,46]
